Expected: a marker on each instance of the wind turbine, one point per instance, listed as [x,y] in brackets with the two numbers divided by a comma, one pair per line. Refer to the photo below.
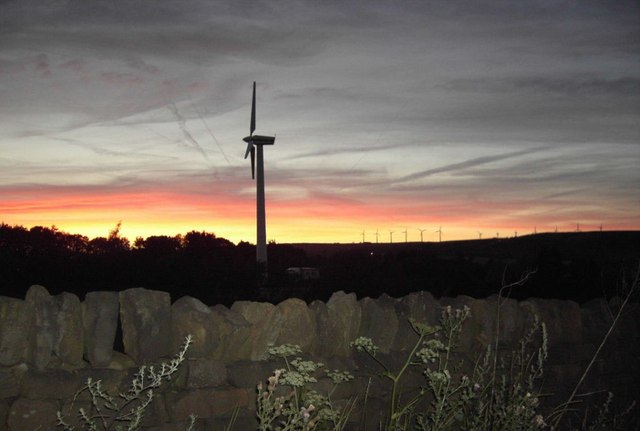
[421,236]
[254,145]
[363,237]
[405,234]
[479,235]
[376,236]
[439,231]
[391,236]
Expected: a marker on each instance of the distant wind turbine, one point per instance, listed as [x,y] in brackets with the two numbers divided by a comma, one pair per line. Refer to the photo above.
[421,232]
[376,236]
[479,235]
[439,232]
[391,236]
[363,237]
[254,145]
[405,235]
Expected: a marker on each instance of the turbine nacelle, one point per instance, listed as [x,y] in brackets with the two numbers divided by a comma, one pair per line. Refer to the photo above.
[253,140]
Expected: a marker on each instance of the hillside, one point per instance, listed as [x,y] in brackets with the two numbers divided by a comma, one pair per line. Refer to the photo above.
[577,266]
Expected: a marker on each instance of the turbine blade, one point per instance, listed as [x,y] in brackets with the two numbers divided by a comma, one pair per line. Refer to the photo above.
[253,111]
[249,149]
[253,163]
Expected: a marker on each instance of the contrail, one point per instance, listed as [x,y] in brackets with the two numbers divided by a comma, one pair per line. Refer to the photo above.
[182,123]
[206,126]
[470,163]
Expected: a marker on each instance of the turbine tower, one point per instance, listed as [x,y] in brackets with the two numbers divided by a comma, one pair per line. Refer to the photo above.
[254,145]
[439,232]
[421,234]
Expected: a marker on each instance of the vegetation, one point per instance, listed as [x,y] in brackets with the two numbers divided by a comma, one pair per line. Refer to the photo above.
[500,391]
[125,411]
[302,408]
[200,264]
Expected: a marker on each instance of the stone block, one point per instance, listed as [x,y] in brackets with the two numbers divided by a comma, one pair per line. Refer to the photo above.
[628,326]
[379,322]
[200,425]
[298,325]
[205,373]
[208,403]
[17,318]
[511,322]
[4,413]
[100,320]
[596,319]
[562,319]
[9,383]
[226,400]
[68,344]
[338,323]
[420,306]
[121,362]
[45,331]
[29,415]
[156,414]
[480,329]
[246,420]
[50,384]
[189,316]
[247,374]
[114,382]
[229,327]
[266,323]
[146,324]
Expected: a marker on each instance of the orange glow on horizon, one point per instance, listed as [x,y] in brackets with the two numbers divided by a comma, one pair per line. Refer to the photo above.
[319,219]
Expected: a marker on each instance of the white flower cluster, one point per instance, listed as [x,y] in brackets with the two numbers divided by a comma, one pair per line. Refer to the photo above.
[338,376]
[284,350]
[430,351]
[365,344]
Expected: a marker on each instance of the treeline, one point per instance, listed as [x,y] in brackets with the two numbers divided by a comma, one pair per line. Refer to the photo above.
[215,270]
[198,263]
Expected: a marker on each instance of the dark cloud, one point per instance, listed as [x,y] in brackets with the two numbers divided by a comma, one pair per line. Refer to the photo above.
[362,95]
[578,85]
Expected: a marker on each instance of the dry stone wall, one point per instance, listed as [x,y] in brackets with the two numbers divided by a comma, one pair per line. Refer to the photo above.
[50,345]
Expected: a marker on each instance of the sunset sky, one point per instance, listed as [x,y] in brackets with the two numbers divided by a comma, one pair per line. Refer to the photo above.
[477,116]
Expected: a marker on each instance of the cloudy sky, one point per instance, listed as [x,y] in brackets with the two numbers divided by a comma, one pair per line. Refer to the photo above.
[487,116]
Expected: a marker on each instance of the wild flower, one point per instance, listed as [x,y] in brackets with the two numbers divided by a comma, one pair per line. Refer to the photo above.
[365,344]
[127,410]
[301,409]
[338,376]
[430,351]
